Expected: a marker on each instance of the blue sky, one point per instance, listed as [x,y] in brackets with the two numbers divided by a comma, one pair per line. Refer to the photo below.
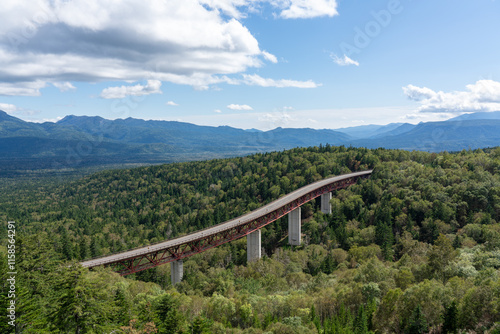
[250,63]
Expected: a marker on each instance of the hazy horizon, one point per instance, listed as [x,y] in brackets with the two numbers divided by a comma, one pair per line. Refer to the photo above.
[250,63]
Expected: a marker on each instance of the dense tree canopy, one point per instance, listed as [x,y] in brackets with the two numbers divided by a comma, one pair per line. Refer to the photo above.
[413,249]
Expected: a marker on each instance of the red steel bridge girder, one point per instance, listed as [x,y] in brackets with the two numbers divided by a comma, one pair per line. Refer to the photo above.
[155,258]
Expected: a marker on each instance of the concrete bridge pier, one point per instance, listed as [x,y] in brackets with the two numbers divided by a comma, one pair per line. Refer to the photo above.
[176,271]
[294,228]
[254,246]
[326,206]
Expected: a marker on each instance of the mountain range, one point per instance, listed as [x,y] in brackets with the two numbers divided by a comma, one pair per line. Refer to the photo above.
[79,141]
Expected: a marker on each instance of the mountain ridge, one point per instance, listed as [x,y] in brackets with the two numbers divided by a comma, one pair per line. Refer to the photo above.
[93,139]
[88,140]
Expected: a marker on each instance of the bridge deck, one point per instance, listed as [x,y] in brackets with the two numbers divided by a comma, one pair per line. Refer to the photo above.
[228,225]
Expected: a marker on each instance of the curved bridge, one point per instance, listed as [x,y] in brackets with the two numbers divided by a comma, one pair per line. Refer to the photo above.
[175,250]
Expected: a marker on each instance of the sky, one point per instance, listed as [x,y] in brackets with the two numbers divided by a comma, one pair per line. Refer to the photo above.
[250,63]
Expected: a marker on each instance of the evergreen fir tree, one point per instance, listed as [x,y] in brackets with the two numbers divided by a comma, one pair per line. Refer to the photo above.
[168,315]
[417,323]
[123,306]
[456,242]
[450,318]
[67,247]
[94,251]
[200,325]
[83,249]
[328,265]
[361,321]
[82,303]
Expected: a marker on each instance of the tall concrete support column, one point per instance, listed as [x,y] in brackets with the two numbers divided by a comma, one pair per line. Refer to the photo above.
[254,246]
[176,271]
[326,207]
[294,228]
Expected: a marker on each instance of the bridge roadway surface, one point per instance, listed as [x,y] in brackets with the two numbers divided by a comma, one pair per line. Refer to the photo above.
[228,225]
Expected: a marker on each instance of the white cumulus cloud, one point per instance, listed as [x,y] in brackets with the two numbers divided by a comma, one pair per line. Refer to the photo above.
[418,93]
[272,58]
[8,108]
[257,80]
[152,87]
[294,9]
[228,7]
[30,88]
[188,42]
[289,9]
[180,41]
[17,111]
[239,107]
[64,86]
[484,95]
[343,61]
[276,119]
[171,103]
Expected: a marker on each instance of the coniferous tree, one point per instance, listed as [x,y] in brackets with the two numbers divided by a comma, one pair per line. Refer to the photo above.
[94,250]
[417,323]
[450,318]
[83,249]
[361,321]
[123,306]
[67,247]
[328,265]
[383,230]
[82,300]
[168,315]
[314,317]
[36,260]
[200,325]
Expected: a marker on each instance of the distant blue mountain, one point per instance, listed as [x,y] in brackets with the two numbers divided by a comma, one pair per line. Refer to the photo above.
[477,115]
[360,131]
[375,131]
[95,140]
[393,129]
[85,141]
[195,137]
[441,136]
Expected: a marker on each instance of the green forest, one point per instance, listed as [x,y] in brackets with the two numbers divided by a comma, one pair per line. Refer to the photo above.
[413,249]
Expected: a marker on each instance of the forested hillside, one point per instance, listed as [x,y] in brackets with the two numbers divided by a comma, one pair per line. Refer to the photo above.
[414,249]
